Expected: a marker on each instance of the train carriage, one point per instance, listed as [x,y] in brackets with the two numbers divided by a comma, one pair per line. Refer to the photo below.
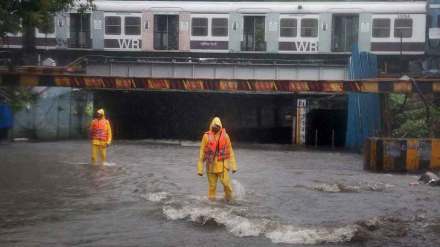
[268,27]
[310,28]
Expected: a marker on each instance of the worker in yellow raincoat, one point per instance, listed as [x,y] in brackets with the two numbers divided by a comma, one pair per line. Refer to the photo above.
[100,134]
[217,157]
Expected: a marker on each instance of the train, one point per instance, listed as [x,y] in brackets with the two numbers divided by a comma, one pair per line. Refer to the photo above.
[405,28]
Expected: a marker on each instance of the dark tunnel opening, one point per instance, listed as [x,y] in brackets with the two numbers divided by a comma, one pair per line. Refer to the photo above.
[257,118]
[326,127]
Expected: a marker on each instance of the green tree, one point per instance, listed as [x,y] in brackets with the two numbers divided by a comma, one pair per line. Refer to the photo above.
[17,97]
[25,15]
[412,118]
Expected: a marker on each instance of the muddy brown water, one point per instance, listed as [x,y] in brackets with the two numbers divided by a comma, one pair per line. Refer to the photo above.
[150,195]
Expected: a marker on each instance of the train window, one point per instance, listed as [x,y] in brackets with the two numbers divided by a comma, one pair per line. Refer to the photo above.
[113,25]
[199,27]
[403,28]
[132,25]
[430,23]
[381,28]
[219,27]
[309,27]
[288,27]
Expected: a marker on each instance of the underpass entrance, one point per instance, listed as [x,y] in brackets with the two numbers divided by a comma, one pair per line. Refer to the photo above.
[252,118]
[327,121]
[327,127]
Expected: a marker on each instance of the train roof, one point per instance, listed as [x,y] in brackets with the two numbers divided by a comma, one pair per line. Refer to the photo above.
[261,7]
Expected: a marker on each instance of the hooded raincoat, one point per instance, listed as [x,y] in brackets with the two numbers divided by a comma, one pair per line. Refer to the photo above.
[215,167]
[100,134]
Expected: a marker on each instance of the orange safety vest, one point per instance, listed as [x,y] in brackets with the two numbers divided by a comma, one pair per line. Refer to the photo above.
[219,148]
[99,129]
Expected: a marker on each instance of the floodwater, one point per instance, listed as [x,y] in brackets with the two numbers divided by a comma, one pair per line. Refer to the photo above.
[150,195]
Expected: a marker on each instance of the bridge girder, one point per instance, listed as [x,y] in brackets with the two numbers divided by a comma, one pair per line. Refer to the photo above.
[378,85]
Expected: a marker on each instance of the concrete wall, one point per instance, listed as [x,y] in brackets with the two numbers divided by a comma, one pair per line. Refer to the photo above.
[59,113]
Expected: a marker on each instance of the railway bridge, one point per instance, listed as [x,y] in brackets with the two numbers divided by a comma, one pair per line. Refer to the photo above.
[282,101]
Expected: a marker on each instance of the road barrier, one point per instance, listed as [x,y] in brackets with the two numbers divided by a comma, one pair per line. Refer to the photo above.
[401,154]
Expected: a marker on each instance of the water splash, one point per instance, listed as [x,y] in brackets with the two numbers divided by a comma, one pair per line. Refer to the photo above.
[237,225]
[108,164]
[157,197]
[237,221]
[296,235]
[238,189]
[332,188]
[174,213]
[241,226]
[336,188]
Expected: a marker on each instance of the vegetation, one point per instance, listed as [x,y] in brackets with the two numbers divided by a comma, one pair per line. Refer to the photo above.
[17,97]
[411,117]
[25,15]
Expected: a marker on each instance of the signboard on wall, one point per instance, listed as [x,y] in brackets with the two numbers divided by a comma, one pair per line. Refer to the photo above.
[301,111]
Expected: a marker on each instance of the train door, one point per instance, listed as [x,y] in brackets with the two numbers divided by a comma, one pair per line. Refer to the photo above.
[79,31]
[253,33]
[148,33]
[344,32]
[166,32]
[61,29]
[433,28]
[184,31]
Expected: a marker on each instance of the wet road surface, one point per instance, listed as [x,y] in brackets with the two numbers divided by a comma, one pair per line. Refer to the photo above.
[150,195]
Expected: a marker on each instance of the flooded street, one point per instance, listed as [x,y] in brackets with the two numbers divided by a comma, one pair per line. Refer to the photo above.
[150,195]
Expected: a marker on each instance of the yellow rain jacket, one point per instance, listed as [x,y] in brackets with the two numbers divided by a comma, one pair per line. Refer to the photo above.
[218,166]
[107,129]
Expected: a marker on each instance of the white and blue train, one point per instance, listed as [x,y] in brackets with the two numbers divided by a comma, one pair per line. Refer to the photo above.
[326,28]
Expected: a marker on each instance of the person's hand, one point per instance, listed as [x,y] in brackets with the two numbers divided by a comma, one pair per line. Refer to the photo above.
[200,174]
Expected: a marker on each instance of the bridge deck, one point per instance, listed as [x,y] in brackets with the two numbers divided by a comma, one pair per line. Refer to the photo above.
[205,68]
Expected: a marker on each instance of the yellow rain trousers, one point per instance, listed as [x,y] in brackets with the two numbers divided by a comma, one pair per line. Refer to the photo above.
[219,170]
[224,179]
[99,148]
